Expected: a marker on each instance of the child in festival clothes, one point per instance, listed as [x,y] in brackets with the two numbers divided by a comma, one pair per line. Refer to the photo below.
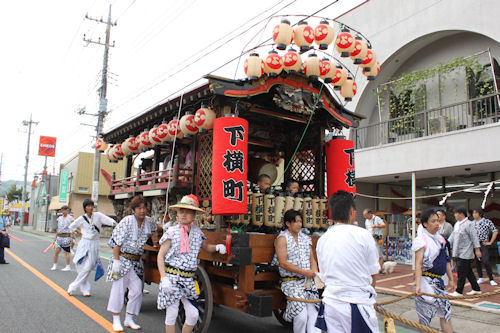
[126,270]
[87,253]
[64,238]
[177,264]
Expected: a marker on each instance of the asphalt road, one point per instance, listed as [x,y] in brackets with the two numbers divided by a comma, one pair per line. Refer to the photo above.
[36,302]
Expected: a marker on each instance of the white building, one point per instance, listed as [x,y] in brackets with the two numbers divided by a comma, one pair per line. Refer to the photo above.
[449,129]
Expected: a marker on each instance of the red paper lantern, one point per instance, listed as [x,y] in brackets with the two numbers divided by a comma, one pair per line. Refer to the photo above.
[312,66]
[327,72]
[101,145]
[360,49]
[204,118]
[345,43]
[111,154]
[340,172]
[153,136]
[292,61]
[130,145]
[273,65]
[138,139]
[369,61]
[162,132]
[254,66]
[188,126]
[118,151]
[348,89]
[339,78]
[146,142]
[323,35]
[303,36]
[370,76]
[174,129]
[229,166]
[283,34]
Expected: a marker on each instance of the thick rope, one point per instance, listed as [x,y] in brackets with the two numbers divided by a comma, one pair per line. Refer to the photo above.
[405,321]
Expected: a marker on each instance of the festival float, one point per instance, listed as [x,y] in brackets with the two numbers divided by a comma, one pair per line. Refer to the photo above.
[285,119]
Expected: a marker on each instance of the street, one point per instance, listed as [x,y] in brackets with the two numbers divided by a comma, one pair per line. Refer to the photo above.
[35,300]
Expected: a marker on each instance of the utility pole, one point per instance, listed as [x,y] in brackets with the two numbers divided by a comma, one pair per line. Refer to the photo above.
[26,123]
[102,99]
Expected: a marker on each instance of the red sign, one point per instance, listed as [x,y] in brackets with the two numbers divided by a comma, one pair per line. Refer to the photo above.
[340,173]
[229,166]
[47,146]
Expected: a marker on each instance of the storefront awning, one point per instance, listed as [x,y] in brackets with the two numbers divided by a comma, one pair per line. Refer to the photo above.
[55,204]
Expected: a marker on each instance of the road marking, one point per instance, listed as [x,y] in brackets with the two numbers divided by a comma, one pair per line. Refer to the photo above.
[395,277]
[81,306]
[400,286]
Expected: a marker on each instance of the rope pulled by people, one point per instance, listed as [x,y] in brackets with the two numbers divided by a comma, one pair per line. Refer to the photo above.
[405,321]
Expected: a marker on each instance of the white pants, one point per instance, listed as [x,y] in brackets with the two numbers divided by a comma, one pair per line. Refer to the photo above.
[191,312]
[305,320]
[117,294]
[82,279]
[338,316]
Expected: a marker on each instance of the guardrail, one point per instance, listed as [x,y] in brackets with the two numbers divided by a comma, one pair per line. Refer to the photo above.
[471,113]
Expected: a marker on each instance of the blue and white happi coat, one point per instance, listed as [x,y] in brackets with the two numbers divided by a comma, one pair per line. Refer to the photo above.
[298,254]
[63,228]
[183,287]
[131,239]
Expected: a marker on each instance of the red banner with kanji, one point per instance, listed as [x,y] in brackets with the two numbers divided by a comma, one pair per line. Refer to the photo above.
[340,173]
[47,146]
[229,166]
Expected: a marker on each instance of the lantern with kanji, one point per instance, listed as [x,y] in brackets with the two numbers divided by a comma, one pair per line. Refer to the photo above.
[229,166]
[130,146]
[339,77]
[348,89]
[101,145]
[204,118]
[323,35]
[273,64]
[327,72]
[153,136]
[303,36]
[345,43]
[187,124]
[111,154]
[254,66]
[138,140]
[283,34]
[146,142]
[360,49]
[174,129]
[292,61]
[369,61]
[162,132]
[340,173]
[370,76]
[118,151]
[312,67]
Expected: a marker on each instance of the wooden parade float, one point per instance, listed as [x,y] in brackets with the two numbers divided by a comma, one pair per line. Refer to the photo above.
[288,114]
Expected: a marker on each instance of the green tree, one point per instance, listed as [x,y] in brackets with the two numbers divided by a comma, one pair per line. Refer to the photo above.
[15,194]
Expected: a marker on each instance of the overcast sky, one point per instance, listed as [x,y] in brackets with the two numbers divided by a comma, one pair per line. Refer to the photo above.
[48,70]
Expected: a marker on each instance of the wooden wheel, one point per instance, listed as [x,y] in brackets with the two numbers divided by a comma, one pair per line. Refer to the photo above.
[278,313]
[205,303]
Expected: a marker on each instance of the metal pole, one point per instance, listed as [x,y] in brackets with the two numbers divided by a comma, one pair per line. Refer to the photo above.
[26,171]
[102,112]
[413,213]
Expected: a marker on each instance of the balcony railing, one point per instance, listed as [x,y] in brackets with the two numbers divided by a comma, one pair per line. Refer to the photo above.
[177,177]
[471,113]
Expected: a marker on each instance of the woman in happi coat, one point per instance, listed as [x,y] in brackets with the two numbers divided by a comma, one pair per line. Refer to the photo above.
[432,261]
[64,238]
[126,269]
[87,253]
[296,266]
[177,264]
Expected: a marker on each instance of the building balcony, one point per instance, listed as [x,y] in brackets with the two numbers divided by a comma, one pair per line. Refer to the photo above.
[458,116]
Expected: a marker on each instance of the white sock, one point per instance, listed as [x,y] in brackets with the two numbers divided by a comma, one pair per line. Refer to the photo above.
[128,317]
[54,266]
[116,319]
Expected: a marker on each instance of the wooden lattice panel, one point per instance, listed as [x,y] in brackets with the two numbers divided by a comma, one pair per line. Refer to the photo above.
[303,169]
[204,165]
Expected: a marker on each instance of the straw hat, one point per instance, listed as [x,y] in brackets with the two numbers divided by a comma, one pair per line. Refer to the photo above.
[188,202]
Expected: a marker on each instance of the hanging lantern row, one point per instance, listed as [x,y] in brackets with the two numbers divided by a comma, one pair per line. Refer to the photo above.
[189,124]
